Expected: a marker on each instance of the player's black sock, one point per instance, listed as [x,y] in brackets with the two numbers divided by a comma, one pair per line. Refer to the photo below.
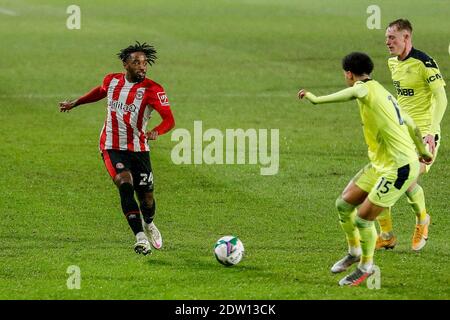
[130,207]
[148,213]
[134,220]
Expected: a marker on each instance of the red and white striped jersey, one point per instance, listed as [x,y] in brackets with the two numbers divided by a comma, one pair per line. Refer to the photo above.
[128,110]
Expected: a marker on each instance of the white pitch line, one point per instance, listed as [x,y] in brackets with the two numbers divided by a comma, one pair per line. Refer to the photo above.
[223,95]
[37,96]
[8,12]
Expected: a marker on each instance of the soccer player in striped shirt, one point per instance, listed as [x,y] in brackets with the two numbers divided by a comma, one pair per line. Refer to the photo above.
[131,98]
[391,137]
[420,93]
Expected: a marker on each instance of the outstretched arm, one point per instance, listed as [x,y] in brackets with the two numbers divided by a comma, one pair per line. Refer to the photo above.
[424,155]
[94,95]
[357,91]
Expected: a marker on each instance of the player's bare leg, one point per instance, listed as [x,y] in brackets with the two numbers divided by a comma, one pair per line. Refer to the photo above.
[354,194]
[124,182]
[346,204]
[148,209]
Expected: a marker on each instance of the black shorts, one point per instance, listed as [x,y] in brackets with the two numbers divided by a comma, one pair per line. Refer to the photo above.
[138,163]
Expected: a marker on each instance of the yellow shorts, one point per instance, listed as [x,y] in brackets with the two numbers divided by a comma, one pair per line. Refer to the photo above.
[386,188]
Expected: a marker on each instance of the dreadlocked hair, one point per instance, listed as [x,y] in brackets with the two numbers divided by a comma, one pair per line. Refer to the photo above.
[147,49]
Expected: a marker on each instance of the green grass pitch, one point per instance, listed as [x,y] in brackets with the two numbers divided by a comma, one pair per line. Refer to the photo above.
[230,64]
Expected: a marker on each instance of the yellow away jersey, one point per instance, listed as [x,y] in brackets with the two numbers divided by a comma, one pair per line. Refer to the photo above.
[388,139]
[414,78]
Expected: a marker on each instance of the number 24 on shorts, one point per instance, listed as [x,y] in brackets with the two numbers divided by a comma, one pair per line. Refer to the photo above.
[146,179]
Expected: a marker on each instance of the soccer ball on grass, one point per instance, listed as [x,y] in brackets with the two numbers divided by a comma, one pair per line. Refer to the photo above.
[229,250]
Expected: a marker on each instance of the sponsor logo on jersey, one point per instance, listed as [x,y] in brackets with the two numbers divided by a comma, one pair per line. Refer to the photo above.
[163,98]
[397,84]
[117,105]
[435,77]
[403,91]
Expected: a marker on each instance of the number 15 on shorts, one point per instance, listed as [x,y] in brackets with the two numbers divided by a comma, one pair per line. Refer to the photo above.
[383,187]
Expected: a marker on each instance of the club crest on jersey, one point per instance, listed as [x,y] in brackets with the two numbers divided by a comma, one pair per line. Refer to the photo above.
[139,95]
[163,98]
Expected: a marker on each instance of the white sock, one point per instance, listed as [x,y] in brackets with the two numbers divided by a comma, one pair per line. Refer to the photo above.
[354,251]
[366,267]
[141,236]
